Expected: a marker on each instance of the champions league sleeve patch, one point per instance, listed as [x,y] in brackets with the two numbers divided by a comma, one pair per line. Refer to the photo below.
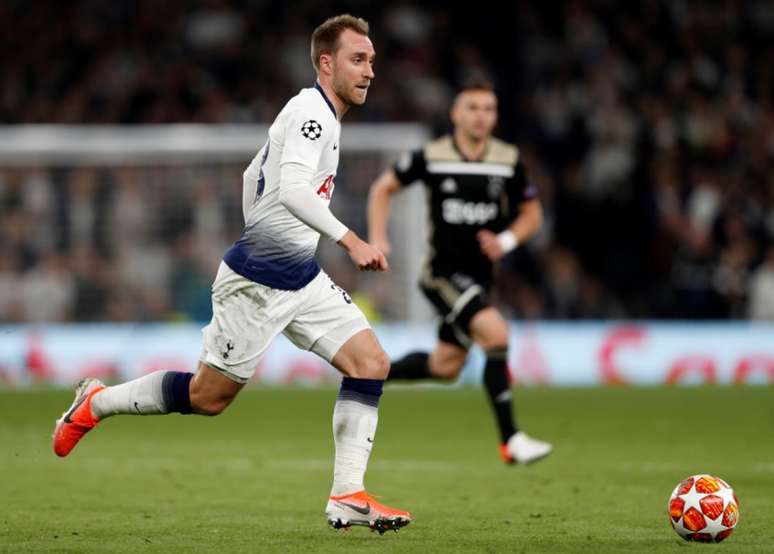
[311,130]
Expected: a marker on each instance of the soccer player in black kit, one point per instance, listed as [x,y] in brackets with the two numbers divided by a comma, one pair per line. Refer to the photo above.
[481,206]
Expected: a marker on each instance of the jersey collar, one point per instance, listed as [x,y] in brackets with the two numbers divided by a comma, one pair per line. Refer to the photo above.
[465,158]
[325,97]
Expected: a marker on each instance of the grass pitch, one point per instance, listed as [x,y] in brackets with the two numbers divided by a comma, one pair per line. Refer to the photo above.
[256,478]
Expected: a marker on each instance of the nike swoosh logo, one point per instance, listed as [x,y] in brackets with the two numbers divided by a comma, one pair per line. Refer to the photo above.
[369,439]
[504,396]
[75,407]
[137,407]
[361,510]
[335,146]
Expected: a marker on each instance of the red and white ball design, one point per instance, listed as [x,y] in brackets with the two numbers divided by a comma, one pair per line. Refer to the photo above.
[703,508]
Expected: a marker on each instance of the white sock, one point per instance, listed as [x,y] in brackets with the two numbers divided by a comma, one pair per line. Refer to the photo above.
[354,428]
[142,396]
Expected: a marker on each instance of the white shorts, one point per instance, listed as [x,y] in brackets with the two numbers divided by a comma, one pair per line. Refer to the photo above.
[247,316]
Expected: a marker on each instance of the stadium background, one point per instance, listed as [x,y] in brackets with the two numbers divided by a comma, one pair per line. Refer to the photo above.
[648,128]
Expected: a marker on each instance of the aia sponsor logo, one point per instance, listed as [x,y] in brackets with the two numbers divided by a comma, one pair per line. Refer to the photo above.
[325,191]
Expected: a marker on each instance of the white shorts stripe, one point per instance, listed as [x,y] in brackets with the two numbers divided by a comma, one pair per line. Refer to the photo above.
[462,301]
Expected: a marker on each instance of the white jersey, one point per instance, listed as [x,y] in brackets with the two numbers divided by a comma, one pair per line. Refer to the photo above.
[276,248]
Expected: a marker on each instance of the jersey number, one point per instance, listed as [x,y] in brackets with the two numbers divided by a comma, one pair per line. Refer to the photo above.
[345,294]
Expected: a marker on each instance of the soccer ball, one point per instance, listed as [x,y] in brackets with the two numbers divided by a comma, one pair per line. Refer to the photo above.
[703,508]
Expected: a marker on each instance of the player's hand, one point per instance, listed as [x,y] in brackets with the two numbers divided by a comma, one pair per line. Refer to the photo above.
[365,256]
[489,244]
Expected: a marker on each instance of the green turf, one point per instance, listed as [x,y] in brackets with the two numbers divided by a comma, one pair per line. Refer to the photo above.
[256,478]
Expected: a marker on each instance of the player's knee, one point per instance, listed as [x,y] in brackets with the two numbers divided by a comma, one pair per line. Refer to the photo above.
[211,408]
[448,373]
[496,339]
[375,366]
[447,370]
[203,404]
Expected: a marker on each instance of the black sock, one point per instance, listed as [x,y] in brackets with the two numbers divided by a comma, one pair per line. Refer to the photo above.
[175,391]
[499,390]
[411,366]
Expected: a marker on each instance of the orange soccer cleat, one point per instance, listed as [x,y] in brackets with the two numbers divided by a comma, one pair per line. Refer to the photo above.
[78,419]
[360,508]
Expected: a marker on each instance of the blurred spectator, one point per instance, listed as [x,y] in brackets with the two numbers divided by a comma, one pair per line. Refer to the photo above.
[761,303]
[47,291]
[10,281]
[190,281]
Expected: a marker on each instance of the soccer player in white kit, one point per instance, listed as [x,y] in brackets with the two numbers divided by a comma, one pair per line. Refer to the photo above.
[269,283]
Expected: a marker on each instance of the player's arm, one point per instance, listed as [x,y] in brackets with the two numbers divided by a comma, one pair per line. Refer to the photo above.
[304,204]
[365,256]
[524,227]
[297,196]
[379,201]
[524,202]
[411,167]
[300,158]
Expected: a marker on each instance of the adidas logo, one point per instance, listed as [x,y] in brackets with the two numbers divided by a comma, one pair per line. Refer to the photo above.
[449,185]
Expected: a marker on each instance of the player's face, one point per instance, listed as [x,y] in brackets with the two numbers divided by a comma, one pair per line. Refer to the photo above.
[353,67]
[475,113]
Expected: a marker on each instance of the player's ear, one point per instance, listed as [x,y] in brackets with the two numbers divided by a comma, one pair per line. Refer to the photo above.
[454,109]
[453,113]
[326,63]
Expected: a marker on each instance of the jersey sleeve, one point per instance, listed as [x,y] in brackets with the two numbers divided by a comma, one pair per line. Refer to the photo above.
[411,167]
[306,134]
[519,188]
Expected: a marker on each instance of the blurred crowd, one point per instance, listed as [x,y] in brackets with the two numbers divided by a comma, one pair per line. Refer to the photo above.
[118,244]
[648,127]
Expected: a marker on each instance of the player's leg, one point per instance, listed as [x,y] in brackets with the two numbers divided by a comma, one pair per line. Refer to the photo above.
[160,392]
[446,361]
[489,330]
[443,363]
[414,366]
[207,392]
[242,326]
[336,330]
[356,414]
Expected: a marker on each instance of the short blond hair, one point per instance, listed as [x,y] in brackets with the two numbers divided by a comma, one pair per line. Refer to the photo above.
[325,39]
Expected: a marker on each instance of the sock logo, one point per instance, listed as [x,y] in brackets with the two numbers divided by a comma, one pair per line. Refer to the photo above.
[359,509]
[369,439]
[504,396]
[137,407]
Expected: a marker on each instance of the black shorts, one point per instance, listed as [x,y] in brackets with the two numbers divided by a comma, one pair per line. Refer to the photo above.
[456,298]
